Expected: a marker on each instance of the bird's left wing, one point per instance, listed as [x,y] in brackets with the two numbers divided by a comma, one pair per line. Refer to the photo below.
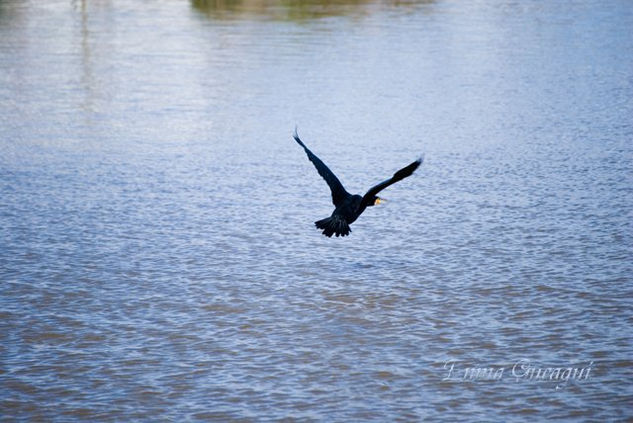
[338,191]
[398,176]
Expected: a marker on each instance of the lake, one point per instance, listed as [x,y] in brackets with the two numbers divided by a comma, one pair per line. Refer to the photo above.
[158,257]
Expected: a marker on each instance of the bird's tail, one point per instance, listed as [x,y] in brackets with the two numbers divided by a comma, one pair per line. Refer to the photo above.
[333,225]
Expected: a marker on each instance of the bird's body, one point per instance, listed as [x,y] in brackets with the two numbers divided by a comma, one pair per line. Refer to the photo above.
[347,206]
[342,216]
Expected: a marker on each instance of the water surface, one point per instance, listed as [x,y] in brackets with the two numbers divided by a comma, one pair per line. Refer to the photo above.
[158,259]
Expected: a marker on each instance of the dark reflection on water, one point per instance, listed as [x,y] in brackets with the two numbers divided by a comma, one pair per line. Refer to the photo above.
[157,253]
[295,10]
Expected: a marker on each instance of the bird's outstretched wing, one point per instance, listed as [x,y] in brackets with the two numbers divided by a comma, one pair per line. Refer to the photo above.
[338,192]
[398,176]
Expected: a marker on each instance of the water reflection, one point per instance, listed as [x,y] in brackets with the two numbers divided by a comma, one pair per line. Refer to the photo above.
[88,82]
[6,12]
[293,10]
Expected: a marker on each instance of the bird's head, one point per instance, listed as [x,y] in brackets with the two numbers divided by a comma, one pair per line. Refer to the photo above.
[377,200]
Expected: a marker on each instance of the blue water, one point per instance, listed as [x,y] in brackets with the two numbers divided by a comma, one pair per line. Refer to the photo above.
[158,259]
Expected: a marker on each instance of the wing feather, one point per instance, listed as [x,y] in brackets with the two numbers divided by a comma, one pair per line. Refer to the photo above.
[338,191]
[398,176]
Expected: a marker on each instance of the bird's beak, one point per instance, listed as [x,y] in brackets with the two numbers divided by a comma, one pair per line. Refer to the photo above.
[379,201]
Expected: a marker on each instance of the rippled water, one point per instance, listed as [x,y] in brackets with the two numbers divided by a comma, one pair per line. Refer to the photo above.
[158,259]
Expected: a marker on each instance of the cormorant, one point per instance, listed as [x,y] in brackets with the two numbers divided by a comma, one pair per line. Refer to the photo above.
[348,206]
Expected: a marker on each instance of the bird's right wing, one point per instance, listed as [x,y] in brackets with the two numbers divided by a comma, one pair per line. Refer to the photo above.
[338,191]
[398,176]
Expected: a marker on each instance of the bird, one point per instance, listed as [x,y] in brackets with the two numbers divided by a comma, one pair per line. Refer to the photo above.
[347,206]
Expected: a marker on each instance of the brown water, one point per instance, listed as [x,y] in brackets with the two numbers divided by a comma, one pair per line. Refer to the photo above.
[157,254]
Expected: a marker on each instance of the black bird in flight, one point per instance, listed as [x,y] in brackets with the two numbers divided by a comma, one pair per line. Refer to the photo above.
[348,206]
